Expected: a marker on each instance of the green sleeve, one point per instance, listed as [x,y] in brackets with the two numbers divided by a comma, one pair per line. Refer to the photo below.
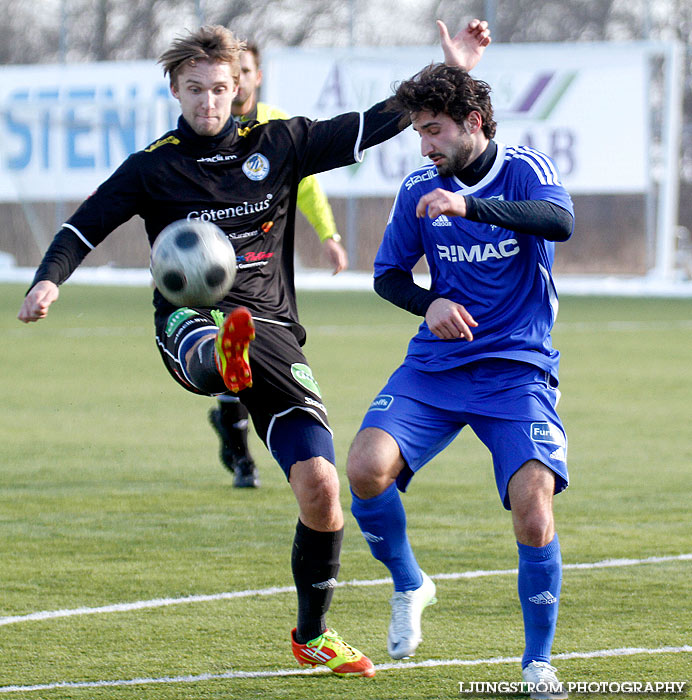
[313,202]
[266,112]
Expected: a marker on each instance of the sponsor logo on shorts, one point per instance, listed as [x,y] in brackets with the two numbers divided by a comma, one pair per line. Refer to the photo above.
[303,375]
[559,455]
[381,403]
[256,167]
[316,404]
[175,319]
[547,432]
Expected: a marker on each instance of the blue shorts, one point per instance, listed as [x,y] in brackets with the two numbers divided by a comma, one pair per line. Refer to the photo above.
[509,405]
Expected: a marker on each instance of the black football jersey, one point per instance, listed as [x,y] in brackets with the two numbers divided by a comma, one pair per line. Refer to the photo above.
[244,180]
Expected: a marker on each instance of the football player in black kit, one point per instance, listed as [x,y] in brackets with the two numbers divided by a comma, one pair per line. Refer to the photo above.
[244,179]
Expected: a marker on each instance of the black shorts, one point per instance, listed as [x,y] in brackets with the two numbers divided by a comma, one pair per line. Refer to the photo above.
[281,377]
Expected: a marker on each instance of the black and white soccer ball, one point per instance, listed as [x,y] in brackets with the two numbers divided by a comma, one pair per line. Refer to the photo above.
[193,263]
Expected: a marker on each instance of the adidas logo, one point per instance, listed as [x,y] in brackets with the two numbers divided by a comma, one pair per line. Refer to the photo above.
[372,538]
[545,598]
[316,654]
[559,454]
[442,220]
[325,585]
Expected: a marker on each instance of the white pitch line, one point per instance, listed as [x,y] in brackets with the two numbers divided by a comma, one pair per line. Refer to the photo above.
[142,604]
[164,602]
[430,663]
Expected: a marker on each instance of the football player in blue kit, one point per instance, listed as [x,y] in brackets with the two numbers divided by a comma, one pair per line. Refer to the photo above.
[486,217]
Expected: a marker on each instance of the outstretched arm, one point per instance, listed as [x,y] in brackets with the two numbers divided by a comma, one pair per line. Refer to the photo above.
[379,123]
[467,47]
[37,301]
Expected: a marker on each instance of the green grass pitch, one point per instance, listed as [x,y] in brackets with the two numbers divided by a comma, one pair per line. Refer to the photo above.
[112,493]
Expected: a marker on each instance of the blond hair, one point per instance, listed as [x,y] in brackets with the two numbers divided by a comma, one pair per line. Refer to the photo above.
[213,43]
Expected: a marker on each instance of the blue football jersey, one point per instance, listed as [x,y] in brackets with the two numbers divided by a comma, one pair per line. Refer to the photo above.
[502,277]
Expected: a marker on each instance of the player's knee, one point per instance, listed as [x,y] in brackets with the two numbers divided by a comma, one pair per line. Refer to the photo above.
[316,486]
[359,465]
[372,464]
[534,527]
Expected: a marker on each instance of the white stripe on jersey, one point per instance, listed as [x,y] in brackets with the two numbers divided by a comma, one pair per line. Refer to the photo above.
[271,320]
[540,164]
[552,293]
[547,163]
[79,235]
[358,153]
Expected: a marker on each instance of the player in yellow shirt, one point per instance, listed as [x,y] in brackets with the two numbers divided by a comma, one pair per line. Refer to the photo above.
[230,417]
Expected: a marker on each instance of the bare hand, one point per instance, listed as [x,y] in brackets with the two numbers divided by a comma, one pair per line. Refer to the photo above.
[466,49]
[449,320]
[37,301]
[336,254]
[439,202]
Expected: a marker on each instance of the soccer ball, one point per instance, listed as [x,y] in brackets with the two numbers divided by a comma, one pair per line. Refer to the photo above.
[193,263]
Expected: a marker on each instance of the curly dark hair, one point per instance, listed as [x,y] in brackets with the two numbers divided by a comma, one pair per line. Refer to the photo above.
[442,89]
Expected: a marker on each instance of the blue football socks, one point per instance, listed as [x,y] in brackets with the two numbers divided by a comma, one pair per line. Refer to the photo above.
[540,578]
[382,521]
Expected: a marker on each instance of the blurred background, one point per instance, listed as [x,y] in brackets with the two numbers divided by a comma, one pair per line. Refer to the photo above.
[79,90]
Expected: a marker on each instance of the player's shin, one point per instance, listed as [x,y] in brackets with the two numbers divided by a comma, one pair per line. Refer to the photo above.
[234,417]
[382,521]
[315,565]
[201,366]
[539,583]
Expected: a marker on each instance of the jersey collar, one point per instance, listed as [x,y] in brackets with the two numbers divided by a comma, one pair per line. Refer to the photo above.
[191,138]
[473,173]
[483,170]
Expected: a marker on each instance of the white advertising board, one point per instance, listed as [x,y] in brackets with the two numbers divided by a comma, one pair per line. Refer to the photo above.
[64,129]
[585,105]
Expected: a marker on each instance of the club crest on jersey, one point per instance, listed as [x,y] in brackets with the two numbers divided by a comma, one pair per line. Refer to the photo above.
[256,167]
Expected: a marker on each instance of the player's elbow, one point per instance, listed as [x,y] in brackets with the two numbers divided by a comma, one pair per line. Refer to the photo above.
[563,226]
